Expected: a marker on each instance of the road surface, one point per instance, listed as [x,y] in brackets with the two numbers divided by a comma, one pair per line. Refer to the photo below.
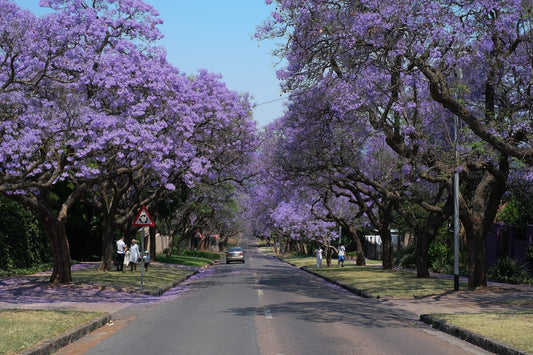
[266,306]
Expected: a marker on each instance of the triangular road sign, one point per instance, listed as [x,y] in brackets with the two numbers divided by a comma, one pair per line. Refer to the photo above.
[143,219]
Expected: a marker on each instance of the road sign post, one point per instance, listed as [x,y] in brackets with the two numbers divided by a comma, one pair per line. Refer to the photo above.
[143,219]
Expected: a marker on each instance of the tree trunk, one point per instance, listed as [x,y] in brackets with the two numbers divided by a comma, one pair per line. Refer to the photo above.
[478,219]
[386,244]
[385,218]
[57,235]
[360,258]
[423,241]
[55,230]
[477,272]
[425,234]
[107,246]
[153,245]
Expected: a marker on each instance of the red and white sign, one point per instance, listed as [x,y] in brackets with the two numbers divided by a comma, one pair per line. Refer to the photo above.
[198,235]
[143,219]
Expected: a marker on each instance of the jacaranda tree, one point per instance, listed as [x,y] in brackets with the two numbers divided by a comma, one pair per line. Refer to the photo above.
[389,60]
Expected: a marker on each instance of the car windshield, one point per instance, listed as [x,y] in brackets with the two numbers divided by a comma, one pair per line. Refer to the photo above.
[234,250]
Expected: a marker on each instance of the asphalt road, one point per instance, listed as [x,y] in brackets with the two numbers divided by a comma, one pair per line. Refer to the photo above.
[268,307]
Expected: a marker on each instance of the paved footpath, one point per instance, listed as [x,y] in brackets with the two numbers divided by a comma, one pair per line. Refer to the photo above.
[25,293]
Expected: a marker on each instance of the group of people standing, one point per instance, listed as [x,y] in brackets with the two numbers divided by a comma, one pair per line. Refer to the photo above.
[130,255]
[341,251]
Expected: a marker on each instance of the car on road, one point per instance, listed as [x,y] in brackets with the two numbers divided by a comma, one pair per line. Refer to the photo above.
[235,254]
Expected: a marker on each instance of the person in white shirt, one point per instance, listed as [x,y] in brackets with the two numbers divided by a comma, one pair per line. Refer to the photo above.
[342,252]
[135,255]
[318,253]
[121,249]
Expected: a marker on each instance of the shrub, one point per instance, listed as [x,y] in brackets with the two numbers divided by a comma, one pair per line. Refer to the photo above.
[406,257]
[509,271]
[529,253]
[352,254]
[22,242]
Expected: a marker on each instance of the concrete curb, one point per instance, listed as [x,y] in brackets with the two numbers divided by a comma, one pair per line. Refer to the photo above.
[51,346]
[340,284]
[162,290]
[473,338]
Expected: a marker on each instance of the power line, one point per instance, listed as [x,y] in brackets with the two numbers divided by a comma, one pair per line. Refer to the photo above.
[268,102]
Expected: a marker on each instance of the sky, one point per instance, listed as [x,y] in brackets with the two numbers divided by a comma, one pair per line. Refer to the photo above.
[217,35]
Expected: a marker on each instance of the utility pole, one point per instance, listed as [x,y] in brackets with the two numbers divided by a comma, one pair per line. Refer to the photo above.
[456,225]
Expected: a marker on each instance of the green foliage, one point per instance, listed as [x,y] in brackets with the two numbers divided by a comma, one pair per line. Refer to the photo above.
[22,242]
[406,257]
[351,254]
[202,254]
[26,271]
[518,209]
[440,258]
[509,271]
[529,253]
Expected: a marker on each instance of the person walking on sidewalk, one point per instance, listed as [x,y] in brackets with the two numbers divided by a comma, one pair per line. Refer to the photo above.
[318,253]
[121,250]
[342,252]
[135,255]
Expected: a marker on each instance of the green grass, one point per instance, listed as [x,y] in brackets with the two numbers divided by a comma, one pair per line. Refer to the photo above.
[157,276]
[515,329]
[26,271]
[183,260]
[23,329]
[373,280]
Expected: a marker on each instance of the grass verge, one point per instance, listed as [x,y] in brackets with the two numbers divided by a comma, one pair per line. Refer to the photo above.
[183,260]
[375,281]
[23,329]
[515,329]
[156,277]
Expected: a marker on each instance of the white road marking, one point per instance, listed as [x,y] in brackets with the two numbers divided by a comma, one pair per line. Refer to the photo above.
[260,292]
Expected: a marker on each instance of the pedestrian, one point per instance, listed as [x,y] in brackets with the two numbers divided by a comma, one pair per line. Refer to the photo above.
[342,253]
[146,259]
[121,250]
[126,256]
[135,255]
[318,253]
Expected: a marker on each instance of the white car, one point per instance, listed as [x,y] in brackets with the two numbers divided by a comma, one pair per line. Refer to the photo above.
[235,254]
